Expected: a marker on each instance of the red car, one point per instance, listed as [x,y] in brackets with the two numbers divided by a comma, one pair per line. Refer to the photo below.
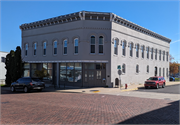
[155,81]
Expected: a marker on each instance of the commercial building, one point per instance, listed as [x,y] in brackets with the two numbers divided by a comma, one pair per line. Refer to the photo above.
[2,67]
[85,49]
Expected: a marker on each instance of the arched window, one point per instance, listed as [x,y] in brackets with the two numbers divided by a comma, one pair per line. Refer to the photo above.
[167,54]
[137,68]
[156,54]
[26,50]
[35,46]
[115,47]
[159,54]
[124,48]
[163,55]
[76,45]
[152,53]
[147,68]
[159,71]
[131,49]
[92,44]
[44,48]
[55,47]
[142,50]
[147,49]
[101,43]
[137,50]
[124,68]
[65,47]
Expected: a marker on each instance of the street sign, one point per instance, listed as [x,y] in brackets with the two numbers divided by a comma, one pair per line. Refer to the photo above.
[119,67]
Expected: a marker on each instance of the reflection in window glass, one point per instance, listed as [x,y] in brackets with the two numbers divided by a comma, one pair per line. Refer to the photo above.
[63,66]
[49,65]
[62,75]
[70,66]
[45,65]
[90,66]
[98,74]
[70,75]
[85,75]
[78,66]
[50,74]
[26,73]
[78,76]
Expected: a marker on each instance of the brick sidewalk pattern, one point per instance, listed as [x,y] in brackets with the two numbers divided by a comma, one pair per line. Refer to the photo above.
[78,108]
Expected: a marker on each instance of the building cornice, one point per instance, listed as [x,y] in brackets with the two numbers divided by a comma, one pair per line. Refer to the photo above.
[98,16]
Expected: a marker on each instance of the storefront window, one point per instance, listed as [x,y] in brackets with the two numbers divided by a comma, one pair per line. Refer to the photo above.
[48,68]
[26,70]
[33,69]
[70,75]
[63,66]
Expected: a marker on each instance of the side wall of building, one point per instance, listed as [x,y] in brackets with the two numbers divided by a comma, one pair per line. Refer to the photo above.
[122,33]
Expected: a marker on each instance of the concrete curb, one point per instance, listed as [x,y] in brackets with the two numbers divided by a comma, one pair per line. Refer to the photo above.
[129,90]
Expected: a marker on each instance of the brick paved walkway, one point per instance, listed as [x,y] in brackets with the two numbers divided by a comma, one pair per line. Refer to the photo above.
[76,108]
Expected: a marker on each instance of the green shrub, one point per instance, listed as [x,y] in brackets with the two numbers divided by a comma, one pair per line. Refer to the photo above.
[177,79]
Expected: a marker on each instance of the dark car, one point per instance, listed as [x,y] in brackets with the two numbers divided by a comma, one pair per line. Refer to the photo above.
[155,81]
[171,79]
[27,84]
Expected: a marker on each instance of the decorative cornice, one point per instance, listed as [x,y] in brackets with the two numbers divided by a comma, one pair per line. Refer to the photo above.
[98,16]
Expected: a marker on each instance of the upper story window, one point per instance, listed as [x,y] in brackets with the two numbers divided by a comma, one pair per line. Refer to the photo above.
[142,49]
[156,54]
[147,52]
[137,68]
[76,45]
[167,54]
[115,47]
[147,68]
[44,48]
[92,44]
[35,46]
[124,68]
[26,51]
[55,47]
[131,49]
[152,53]
[159,54]
[124,48]
[137,50]
[163,55]
[65,47]
[101,43]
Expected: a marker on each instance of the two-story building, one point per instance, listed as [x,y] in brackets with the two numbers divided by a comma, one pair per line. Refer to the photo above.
[85,48]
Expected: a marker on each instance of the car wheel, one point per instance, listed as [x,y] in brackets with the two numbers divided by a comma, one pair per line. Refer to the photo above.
[146,87]
[163,85]
[26,89]
[39,90]
[157,86]
[13,89]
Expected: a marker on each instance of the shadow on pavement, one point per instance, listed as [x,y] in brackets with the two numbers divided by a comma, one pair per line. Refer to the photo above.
[165,115]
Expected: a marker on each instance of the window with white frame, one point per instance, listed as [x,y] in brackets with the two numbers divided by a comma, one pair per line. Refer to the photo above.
[152,53]
[115,47]
[147,68]
[44,48]
[55,47]
[159,54]
[76,45]
[35,46]
[26,50]
[142,50]
[166,72]
[65,47]
[167,54]
[124,48]
[147,49]
[101,43]
[131,49]
[159,71]
[163,55]
[92,44]
[137,50]
[163,72]
[137,68]
[156,54]
[124,68]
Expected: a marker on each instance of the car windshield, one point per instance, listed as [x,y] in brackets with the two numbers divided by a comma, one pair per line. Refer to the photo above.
[153,78]
[36,80]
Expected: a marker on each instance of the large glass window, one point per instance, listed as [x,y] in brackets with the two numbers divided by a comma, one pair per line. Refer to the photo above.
[131,49]
[152,53]
[98,74]
[26,51]
[44,48]
[137,50]
[101,43]
[48,69]
[142,49]
[33,69]
[65,47]
[123,48]
[76,45]
[26,69]
[35,46]
[55,47]
[92,44]
[115,47]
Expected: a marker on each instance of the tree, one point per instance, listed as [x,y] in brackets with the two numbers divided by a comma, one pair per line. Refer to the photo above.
[174,68]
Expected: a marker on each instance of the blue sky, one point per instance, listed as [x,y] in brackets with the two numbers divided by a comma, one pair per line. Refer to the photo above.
[161,17]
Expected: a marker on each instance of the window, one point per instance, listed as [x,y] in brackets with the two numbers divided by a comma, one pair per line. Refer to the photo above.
[123,48]
[167,54]
[55,47]
[152,53]
[101,43]
[163,72]
[26,70]
[35,45]
[137,50]
[137,68]
[115,47]
[142,49]
[147,49]
[159,71]
[124,68]
[76,45]
[131,49]
[92,44]
[159,54]
[163,55]
[147,68]
[48,69]
[155,54]
[44,48]
[167,72]
[3,59]
[26,51]
[98,74]
[65,47]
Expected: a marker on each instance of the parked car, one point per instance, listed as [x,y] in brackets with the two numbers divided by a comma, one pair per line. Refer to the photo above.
[171,79]
[27,84]
[155,81]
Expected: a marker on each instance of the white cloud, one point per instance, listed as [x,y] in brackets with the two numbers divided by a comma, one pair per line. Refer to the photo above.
[175,41]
